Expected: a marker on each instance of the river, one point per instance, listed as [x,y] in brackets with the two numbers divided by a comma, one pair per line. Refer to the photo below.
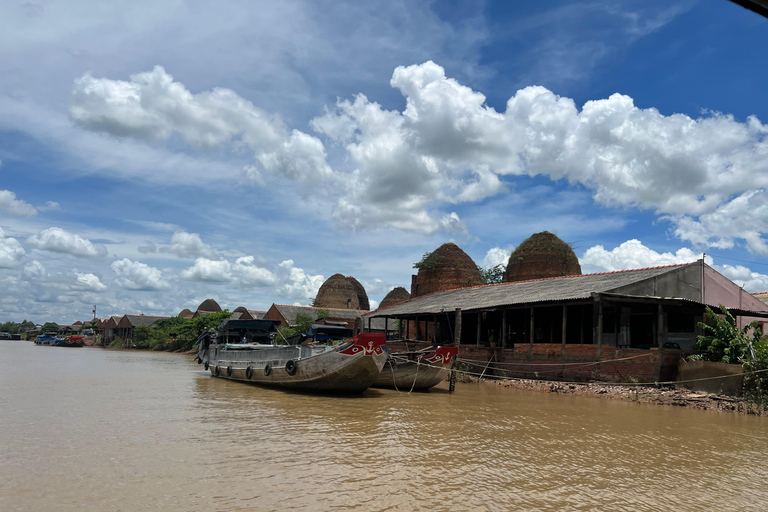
[87,429]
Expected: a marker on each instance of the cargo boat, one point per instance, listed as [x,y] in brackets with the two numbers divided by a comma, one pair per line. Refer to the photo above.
[346,367]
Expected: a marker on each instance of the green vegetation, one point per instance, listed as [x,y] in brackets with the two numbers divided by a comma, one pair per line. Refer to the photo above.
[724,342]
[492,275]
[429,261]
[50,327]
[16,327]
[175,333]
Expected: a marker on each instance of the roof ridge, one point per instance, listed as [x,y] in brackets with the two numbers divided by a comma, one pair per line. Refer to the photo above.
[316,307]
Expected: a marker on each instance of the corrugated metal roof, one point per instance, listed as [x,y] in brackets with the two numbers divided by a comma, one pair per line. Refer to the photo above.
[556,289]
[135,320]
[290,312]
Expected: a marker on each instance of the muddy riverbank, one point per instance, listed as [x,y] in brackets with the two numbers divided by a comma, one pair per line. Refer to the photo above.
[642,394]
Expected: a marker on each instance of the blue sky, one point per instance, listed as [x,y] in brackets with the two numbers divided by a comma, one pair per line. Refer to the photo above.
[156,154]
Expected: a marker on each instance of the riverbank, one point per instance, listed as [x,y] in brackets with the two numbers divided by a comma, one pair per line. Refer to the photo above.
[679,397]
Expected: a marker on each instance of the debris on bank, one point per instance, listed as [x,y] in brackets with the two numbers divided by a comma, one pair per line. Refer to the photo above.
[642,394]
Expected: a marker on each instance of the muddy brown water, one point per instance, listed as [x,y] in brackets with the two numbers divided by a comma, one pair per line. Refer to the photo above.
[94,430]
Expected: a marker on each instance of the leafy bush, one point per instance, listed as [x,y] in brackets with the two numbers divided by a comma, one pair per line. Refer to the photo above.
[117,342]
[723,341]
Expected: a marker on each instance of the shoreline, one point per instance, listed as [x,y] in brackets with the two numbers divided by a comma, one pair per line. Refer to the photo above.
[679,397]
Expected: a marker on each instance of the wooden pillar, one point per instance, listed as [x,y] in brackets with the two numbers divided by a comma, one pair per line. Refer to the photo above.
[504,328]
[417,334]
[659,340]
[386,327]
[479,321]
[565,330]
[531,334]
[369,324]
[457,334]
[599,332]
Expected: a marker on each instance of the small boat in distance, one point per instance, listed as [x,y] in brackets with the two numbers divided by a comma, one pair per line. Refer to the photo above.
[417,369]
[346,367]
[47,339]
[69,341]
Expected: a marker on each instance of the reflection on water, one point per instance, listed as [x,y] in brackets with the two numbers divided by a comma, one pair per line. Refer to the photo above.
[87,429]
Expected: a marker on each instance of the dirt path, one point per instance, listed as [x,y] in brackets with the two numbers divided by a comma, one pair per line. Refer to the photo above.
[642,394]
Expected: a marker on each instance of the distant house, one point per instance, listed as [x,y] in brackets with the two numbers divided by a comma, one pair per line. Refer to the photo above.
[127,323]
[109,327]
[349,318]
[243,313]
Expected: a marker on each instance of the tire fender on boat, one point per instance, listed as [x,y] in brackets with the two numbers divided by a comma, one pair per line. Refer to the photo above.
[267,370]
[291,366]
[229,371]
[216,370]
[248,373]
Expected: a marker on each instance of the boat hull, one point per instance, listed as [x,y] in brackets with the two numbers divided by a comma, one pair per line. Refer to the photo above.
[416,370]
[350,367]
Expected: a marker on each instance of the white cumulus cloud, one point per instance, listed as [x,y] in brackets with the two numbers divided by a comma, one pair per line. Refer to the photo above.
[134,275]
[705,175]
[185,245]
[497,256]
[153,106]
[61,241]
[11,251]
[633,254]
[296,284]
[12,206]
[210,271]
[247,274]
[90,281]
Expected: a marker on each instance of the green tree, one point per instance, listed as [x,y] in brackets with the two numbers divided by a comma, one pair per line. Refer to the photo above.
[492,275]
[723,341]
[50,327]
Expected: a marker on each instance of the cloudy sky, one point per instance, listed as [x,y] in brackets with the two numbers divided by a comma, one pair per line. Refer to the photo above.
[154,154]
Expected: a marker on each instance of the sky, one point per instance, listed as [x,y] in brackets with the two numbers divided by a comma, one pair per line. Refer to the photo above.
[155,154]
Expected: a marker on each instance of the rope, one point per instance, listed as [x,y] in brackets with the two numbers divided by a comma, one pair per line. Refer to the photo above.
[624,384]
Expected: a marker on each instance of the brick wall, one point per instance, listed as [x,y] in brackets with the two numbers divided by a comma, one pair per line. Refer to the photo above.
[579,363]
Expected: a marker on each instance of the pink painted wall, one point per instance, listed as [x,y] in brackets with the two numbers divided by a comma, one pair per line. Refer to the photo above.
[718,289]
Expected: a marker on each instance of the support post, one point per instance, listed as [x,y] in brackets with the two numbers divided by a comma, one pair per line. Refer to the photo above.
[565,325]
[386,325]
[479,321]
[504,328]
[599,329]
[531,334]
[659,340]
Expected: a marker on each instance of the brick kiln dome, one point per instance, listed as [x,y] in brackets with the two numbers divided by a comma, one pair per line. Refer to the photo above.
[186,313]
[395,296]
[338,292]
[362,297]
[209,305]
[447,268]
[540,256]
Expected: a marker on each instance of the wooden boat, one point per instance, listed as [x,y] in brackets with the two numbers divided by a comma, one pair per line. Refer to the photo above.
[69,341]
[418,369]
[347,367]
[47,339]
